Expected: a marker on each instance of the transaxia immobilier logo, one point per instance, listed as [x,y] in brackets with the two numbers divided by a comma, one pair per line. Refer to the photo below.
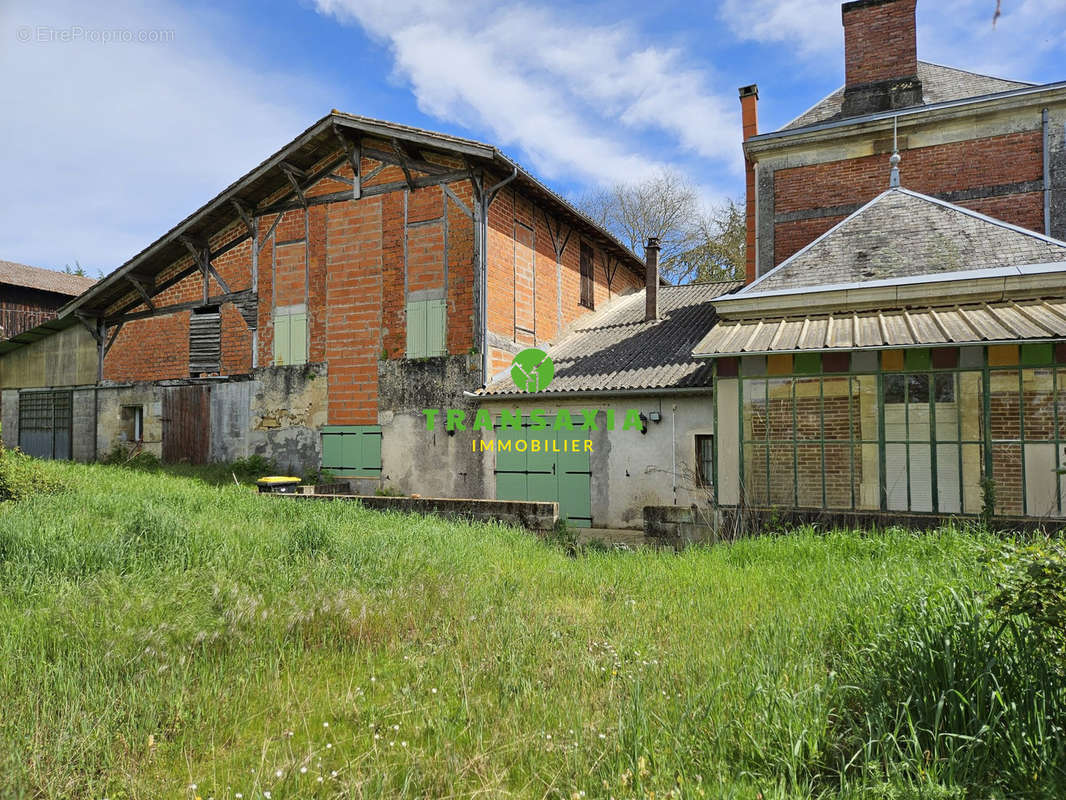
[532,370]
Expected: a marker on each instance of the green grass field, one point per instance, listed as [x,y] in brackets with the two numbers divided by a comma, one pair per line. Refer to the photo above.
[164,637]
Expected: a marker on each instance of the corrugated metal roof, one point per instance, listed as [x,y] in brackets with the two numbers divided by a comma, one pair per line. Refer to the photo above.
[46,280]
[615,349]
[1007,321]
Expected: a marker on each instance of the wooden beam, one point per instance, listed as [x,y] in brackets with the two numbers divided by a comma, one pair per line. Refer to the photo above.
[229,297]
[244,211]
[92,327]
[404,160]
[111,339]
[141,290]
[295,176]
[368,191]
[421,165]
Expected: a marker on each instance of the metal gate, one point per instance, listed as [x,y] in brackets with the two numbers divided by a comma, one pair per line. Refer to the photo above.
[45,424]
[186,424]
[551,474]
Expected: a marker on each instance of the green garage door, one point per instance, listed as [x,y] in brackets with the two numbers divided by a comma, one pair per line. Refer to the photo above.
[548,476]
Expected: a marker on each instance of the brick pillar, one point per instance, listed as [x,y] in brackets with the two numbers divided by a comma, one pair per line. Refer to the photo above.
[749,103]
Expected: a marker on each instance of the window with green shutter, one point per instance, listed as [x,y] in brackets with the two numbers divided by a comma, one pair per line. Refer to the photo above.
[290,337]
[425,328]
[352,451]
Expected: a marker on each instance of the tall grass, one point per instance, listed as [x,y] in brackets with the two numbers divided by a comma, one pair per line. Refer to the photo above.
[157,632]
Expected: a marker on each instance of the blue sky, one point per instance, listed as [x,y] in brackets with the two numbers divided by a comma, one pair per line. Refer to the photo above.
[106,145]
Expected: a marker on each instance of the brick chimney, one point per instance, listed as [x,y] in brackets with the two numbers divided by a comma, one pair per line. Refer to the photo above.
[651,279]
[749,108]
[880,56]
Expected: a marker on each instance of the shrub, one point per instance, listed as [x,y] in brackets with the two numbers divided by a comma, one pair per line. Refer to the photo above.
[1032,597]
[952,695]
[22,476]
[252,467]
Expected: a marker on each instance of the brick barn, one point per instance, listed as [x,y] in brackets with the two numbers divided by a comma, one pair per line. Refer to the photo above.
[311,311]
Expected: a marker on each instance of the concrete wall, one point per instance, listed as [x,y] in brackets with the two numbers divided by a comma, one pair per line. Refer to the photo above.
[66,358]
[9,417]
[631,470]
[429,463]
[276,414]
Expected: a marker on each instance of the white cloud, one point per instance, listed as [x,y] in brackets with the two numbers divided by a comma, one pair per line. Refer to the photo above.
[1027,41]
[575,97]
[105,146]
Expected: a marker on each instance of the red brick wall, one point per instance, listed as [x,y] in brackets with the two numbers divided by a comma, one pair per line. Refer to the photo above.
[346,261]
[354,309]
[523,277]
[150,350]
[935,170]
[158,348]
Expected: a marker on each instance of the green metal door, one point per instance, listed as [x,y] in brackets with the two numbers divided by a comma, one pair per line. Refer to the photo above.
[547,475]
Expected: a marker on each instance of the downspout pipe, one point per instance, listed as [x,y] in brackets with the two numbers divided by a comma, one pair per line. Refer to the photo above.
[486,200]
[1046,125]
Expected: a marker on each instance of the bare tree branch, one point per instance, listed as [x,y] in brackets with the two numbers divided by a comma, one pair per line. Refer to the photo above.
[696,244]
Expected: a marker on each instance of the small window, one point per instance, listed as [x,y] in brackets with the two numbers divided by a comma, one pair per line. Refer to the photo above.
[290,336]
[704,459]
[588,280]
[132,423]
[425,328]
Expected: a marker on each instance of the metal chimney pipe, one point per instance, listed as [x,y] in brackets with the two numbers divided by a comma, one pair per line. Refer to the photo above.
[651,279]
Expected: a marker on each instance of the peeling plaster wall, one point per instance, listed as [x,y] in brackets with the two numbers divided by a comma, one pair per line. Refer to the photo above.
[631,470]
[429,463]
[288,406]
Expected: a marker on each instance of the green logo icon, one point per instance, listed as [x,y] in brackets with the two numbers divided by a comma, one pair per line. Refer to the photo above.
[532,370]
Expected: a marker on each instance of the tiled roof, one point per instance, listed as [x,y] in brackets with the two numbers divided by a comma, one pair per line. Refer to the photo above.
[901,234]
[46,280]
[1005,321]
[615,349]
[939,85]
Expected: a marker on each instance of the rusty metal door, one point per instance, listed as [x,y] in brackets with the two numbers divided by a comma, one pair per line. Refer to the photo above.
[186,424]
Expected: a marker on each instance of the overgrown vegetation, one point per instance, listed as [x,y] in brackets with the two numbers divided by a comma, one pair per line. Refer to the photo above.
[22,476]
[163,636]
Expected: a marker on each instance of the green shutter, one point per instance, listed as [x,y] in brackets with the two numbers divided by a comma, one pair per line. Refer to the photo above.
[416,329]
[282,324]
[435,317]
[298,338]
[352,451]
